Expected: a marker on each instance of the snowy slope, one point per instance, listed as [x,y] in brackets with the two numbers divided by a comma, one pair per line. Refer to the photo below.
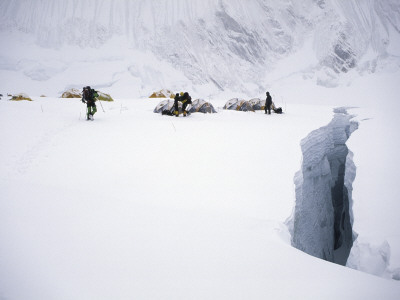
[205,46]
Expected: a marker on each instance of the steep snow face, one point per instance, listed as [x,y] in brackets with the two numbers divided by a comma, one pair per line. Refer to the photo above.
[227,44]
[321,224]
[357,34]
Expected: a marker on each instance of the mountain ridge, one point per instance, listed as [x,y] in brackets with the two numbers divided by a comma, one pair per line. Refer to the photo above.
[223,44]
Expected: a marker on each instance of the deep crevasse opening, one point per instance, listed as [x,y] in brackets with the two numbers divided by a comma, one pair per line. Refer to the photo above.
[321,223]
[322,219]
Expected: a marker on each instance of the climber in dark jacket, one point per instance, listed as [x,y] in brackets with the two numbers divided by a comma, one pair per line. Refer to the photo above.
[89,98]
[185,99]
[268,103]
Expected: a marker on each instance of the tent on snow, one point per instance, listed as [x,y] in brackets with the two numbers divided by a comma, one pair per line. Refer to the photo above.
[163,94]
[20,96]
[238,104]
[200,105]
[75,93]
[167,107]
[250,105]
[72,93]
[104,97]
[257,103]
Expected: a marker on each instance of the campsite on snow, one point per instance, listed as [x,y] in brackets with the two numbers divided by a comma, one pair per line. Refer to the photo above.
[199,149]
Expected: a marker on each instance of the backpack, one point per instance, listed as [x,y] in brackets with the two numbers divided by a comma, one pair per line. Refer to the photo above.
[93,93]
[86,93]
[167,112]
[89,94]
[278,110]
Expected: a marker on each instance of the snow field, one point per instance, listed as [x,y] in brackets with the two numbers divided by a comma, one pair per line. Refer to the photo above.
[139,205]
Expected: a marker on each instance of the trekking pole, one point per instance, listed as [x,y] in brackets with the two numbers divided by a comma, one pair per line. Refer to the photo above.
[101,106]
[285,104]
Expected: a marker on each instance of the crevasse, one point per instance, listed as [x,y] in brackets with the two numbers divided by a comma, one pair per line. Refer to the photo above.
[321,223]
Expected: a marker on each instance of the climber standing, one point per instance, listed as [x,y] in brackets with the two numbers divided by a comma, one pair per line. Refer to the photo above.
[268,104]
[89,97]
[185,99]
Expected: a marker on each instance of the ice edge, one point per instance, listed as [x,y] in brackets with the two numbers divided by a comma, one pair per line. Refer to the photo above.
[322,219]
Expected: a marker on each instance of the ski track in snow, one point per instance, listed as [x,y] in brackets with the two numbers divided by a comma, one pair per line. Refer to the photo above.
[45,142]
[19,163]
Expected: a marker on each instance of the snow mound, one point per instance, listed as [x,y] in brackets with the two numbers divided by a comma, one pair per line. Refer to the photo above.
[372,259]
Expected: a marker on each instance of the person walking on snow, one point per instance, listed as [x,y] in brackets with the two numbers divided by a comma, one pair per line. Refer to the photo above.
[268,103]
[89,97]
[185,99]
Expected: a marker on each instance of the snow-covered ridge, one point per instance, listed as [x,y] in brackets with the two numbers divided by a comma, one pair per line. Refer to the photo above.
[226,44]
[321,224]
